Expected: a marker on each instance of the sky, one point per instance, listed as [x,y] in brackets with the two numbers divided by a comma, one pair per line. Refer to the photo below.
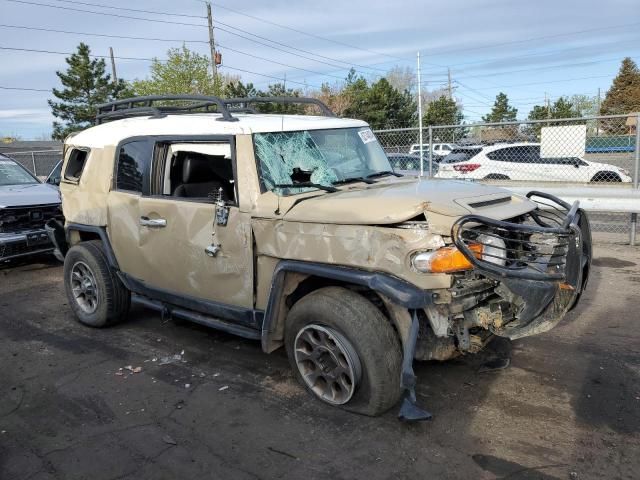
[525,49]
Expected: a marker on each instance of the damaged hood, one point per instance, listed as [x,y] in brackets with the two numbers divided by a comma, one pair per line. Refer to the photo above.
[400,200]
[29,194]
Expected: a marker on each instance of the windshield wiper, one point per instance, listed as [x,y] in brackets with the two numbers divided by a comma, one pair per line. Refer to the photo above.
[384,172]
[307,184]
[355,179]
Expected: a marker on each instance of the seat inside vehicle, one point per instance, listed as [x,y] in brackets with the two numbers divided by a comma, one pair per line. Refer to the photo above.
[197,175]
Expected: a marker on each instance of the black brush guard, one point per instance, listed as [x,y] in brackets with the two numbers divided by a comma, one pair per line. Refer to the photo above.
[543,259]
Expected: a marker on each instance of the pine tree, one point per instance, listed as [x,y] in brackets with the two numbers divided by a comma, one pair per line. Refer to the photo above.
[86,85]
[624,94]
[443,111]
[501,111]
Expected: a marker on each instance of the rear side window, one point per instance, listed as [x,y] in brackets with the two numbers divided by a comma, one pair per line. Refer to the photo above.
[75,164]
[461,155]
[518,154]
[132,172]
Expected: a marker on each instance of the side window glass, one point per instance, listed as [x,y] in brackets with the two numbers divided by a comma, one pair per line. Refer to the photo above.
[498,155]
[132,172]
[75,164]
[533,154]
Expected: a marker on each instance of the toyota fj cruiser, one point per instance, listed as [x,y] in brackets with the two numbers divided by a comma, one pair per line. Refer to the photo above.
[294,230]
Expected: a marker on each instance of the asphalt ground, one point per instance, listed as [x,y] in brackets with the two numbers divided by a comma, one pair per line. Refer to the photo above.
[149,399]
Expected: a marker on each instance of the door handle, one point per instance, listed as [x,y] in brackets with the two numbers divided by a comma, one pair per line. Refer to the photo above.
[153,222]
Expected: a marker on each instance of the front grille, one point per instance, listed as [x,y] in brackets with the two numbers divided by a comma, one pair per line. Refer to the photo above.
[17,219]
[18,249]
[533,246]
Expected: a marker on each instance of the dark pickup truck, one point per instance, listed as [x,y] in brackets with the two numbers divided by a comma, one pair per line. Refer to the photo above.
[26,205]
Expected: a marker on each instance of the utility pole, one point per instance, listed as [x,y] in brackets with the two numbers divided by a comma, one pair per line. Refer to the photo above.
[420,117]
[450,90]
[113,66]
[598,113]
[212,45]
[547,104]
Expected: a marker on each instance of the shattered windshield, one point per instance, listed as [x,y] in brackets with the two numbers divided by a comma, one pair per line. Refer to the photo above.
[13,174]
[321,157]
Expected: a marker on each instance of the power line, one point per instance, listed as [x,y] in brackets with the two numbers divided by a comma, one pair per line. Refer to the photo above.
[173,14]
[313,35]
[279,63]
[545,37]
[473,90]
[62,7]
[348,64]
[24,89]
[171,40]
[70,53]
[280,79]
[551,81]
[292,48]
[563,65]
[126,37]
[149,59]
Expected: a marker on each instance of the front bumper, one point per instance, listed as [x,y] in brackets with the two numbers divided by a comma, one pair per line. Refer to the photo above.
[547,266]
[24,243]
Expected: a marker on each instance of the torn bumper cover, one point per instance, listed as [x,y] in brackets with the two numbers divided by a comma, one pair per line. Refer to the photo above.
[541,261]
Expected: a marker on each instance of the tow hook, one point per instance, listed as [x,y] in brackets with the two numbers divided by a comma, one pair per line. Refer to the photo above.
[409,410]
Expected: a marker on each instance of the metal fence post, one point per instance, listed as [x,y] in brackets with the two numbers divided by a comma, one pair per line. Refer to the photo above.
[634,216]
[430,151]
[33,162]
[637,160]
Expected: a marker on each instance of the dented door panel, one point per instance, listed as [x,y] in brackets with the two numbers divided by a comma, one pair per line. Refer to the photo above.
[173,257]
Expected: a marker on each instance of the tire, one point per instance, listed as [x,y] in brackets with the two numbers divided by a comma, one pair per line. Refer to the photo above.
[606,177]
[496,176]
[366,337]
[84,264]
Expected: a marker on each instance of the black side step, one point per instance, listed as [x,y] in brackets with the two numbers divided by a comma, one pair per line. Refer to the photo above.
[205,320]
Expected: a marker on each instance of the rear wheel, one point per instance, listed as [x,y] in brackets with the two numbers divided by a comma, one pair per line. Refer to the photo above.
[496,176]
[344,351]
[96,295]
[606,177]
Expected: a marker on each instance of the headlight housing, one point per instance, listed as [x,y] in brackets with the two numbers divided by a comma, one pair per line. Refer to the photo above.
[494,250]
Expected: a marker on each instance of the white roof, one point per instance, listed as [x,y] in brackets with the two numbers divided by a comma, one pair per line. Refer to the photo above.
[111,133]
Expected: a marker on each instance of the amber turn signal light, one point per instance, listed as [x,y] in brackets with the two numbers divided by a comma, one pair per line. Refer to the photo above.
[444,260]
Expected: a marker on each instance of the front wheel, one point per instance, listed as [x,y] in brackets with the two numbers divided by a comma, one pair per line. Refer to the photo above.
[344,351]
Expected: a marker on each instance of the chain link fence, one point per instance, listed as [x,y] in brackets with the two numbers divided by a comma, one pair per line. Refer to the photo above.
[596,151]
[38,162]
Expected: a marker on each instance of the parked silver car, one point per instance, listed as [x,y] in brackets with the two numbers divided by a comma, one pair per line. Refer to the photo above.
[26,205]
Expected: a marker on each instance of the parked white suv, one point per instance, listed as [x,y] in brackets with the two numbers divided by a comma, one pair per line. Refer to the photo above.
[522,161]
[439,149]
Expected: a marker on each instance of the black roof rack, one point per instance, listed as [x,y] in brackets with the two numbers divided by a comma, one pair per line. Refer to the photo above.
[326,111]
[156,106]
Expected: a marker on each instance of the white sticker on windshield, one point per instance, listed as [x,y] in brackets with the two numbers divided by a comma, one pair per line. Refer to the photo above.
[6,162]
[367,136]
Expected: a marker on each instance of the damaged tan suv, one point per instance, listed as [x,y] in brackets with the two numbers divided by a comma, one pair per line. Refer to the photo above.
[294,230]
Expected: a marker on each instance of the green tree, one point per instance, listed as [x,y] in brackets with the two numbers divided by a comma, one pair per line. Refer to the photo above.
[443,111]
[380,104]
[86,85]
[585,105]
[184,72]
[624,94]
[280,90]
[562,108]
[501,111]
[239,90]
